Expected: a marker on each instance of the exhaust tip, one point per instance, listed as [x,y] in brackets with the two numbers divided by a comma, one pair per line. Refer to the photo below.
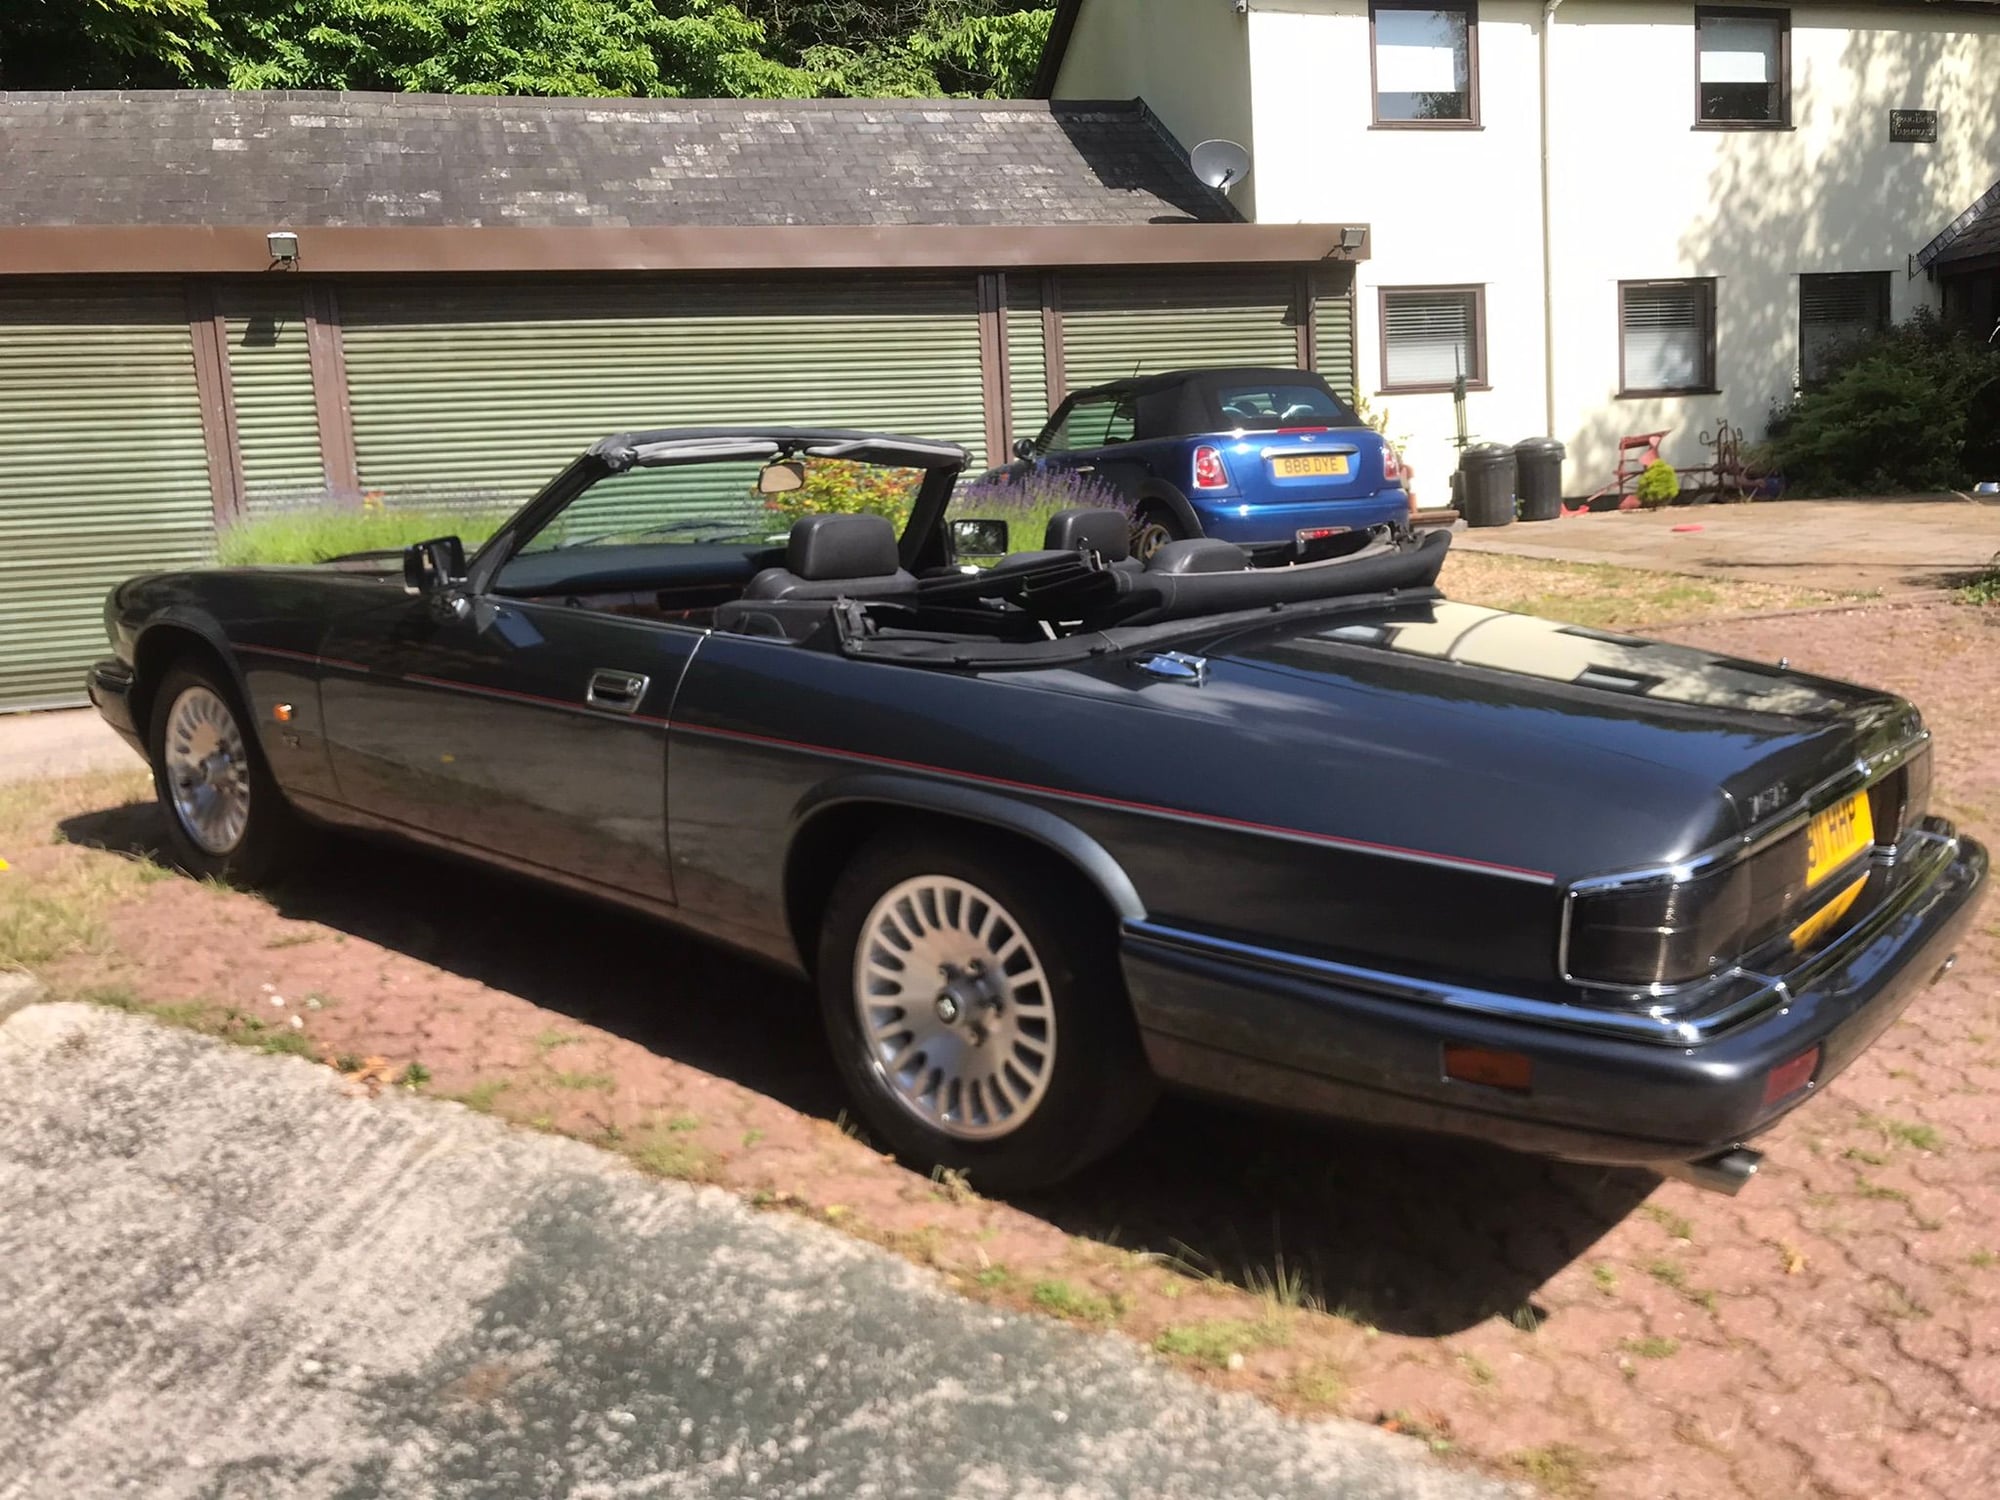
[1724,1172]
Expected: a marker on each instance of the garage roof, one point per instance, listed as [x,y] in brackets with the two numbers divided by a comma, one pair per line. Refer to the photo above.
[210,157]
[192,181]
[1973,235]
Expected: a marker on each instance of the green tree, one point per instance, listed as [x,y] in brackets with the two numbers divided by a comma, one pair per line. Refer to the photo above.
[63,44]
[907,48]
[578,47]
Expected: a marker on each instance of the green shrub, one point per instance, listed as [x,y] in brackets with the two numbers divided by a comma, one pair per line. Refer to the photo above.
[841,487]
[1912,409]
[314,533]
[1658,485]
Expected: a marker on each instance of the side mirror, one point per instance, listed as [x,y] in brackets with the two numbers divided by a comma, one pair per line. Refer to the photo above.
[434,566]
[979,538]
[1024,447]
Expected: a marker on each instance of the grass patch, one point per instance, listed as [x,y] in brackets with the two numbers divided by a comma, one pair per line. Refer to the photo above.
[1610,597]
[1212,1341]
[1477,1370]
[1982,1260]
[414,1075]
[1604,1278]
[1669,1273]
[1652,1347]
[1879,1192]
[1558,1468]
[1675,1224]
[1906,1133]
[547,1041]
[315,533]
[483,1095]
[1078,1304]
[666,1153]
[1321,1383]
[581,1083]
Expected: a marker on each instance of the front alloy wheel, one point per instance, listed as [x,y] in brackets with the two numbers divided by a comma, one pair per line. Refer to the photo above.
[226,817]
[972,996]
[207,770]
[954,1006]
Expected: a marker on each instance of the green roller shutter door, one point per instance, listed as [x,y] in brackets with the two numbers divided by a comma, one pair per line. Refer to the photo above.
[484,394]
[1116,325]
[102,474]
[271,381]
[1027,358]
[1333,330]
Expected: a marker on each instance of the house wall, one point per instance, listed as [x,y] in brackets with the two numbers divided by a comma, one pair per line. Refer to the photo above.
[1188,59]
[1638,193]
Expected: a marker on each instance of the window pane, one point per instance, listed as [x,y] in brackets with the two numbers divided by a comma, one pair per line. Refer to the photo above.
[1423,65]
[1429,338]
[689,503]
[1835,312]
[1264,408]
[1740,60]
[1084,427]
[1666,338]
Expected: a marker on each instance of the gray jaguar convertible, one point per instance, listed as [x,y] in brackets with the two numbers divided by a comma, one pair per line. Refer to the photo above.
[1051,833]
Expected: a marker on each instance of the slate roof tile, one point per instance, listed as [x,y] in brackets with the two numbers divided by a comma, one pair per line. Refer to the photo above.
[210,157]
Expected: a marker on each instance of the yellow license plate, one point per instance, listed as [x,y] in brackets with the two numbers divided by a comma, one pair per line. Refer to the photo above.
[1822,921]
[1309,465]
[1838,834]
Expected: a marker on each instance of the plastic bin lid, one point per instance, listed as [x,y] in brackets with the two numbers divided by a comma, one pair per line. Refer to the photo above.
[1538,445]
[1485,455]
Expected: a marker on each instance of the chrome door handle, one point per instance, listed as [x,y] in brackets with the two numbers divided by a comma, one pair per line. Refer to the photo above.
[616,692]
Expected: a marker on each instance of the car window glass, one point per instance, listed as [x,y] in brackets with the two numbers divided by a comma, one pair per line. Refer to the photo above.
[1122,422]
[719,502]
[1267,405]
[1083,426]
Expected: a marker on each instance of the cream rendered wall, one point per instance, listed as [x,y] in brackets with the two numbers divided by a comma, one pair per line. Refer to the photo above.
[1188,59]
[1444,206]
[1639,193]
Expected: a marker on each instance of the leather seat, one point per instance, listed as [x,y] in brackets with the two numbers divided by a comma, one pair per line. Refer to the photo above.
[1108,533]
[836,557]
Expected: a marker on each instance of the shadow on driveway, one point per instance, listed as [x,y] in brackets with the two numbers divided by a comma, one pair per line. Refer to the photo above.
[1413,1235]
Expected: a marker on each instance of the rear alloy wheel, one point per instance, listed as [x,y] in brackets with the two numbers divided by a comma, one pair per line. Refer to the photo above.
[978,1017]
[226,818]
[1152,531]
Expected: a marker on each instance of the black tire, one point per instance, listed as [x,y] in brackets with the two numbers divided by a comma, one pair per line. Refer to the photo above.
[1098,1087]
[272,838]
[1153,528]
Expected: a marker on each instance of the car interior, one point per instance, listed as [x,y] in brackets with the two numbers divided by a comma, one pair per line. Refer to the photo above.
[842,577]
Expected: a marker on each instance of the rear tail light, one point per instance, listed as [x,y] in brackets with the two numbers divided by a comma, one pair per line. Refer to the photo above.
[1667,932]
[1392,465]
[1208,471]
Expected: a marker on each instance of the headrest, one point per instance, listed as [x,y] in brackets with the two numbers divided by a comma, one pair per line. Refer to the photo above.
[830,547]
[1105,532]
[1201,554]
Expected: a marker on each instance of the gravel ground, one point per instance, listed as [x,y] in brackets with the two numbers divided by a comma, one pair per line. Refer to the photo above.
[232,1275]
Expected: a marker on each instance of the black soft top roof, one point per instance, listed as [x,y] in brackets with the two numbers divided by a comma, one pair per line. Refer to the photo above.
[1205,378]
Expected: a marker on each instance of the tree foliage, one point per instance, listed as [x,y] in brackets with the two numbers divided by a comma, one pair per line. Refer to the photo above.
[695,48]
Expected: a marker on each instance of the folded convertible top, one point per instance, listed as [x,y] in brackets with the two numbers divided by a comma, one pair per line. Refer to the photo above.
[1151,598]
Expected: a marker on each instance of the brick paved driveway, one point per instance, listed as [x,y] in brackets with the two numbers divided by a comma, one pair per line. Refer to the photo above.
[1834,1331]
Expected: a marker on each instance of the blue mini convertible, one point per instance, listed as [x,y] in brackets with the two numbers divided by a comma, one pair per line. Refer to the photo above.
[1270,459]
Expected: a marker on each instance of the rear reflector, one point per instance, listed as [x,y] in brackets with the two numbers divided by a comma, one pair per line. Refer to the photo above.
[1321,533]
[1494,1070]
[1789,1078]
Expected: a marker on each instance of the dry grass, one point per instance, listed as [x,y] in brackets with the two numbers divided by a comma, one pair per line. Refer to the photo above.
[1612,598]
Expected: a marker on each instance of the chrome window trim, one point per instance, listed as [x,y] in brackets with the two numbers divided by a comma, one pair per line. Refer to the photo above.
[1861,776]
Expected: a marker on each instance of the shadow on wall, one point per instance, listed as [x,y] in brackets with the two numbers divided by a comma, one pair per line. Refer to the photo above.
[1409,1234]
[1816,199]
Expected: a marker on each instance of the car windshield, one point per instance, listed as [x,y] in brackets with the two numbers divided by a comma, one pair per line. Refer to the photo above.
[1265,406]
[720,502]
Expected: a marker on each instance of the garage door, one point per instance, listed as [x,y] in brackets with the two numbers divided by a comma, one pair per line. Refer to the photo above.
[1123,324]
[102,474]
[483,395]
[271,389]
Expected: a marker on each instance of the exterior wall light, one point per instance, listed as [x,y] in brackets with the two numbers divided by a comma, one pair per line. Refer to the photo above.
[284,247]
[1353,237]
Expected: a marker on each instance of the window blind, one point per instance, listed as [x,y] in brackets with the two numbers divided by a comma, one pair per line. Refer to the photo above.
[1666,337]
[1429,338]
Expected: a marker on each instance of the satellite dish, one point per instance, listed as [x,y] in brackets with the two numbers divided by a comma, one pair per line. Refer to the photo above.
[1220,164]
